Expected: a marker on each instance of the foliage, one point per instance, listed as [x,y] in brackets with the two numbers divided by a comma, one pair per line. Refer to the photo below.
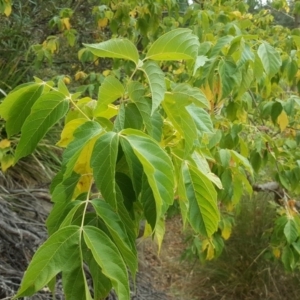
[189,106]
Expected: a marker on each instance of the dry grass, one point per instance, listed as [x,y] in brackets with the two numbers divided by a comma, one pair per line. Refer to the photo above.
[244,271]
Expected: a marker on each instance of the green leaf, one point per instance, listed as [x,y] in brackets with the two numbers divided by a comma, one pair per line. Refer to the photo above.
[156,80]
[59,253]
[200,62]
[101,284]
[185,93]
[103,162]
[115,48]
[153,123]
[148,202]
[239,159]
[120,119]
[110,90]
[135,167]
[177,44]
[45,112]
[287,258]
[75,284]
[108,257]
[181,120]
[156,164]
[221,42]
[17,105]
[136,90]
[290,231]
[230,77]
[118,232]
[61,196]
[270,58]
[201,118]
[133,118]
[203,211]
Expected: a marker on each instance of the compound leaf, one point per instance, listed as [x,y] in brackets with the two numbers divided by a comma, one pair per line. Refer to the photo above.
[55,255]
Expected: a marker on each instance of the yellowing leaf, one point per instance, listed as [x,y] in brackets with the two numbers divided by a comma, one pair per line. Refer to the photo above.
[67,133]
[102,22]
[6,162]
[106,73]
[83,185]
[80,75]
[276,252]
[110,112]
[82,166]
[66,22]
[148,230]
[7,10]
[208,246]
[237,14]
[283,121]
[4,144]
[210,252]
[66,80]
[226,232]
[209,94]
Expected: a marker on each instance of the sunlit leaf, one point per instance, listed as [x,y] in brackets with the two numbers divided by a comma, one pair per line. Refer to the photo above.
[156,80]
[110,90]
[270,58]
[46,111]
[177,44]
[17,105]
[59,253]
[203,212]
[115,48]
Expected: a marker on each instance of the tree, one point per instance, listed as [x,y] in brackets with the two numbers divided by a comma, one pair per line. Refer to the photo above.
[189,108]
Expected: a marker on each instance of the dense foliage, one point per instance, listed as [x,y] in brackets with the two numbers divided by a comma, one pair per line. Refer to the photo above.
[172,103]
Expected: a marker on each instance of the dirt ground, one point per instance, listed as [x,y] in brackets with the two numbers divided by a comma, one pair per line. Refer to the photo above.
[178,279]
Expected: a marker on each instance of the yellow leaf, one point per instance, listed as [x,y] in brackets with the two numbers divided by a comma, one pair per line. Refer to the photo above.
[66,22]
[208,93]
[7,10]
[83,185]
[237,14]
[210,251]
[6,162]
[102,22]
[226,232]
[276,252]
[147,230]
[4,144]
[67,133]
[66,80]
[80,75]
[106,72]
[283,121]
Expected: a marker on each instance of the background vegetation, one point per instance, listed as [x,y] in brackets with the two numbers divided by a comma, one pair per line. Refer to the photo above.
[246,68]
